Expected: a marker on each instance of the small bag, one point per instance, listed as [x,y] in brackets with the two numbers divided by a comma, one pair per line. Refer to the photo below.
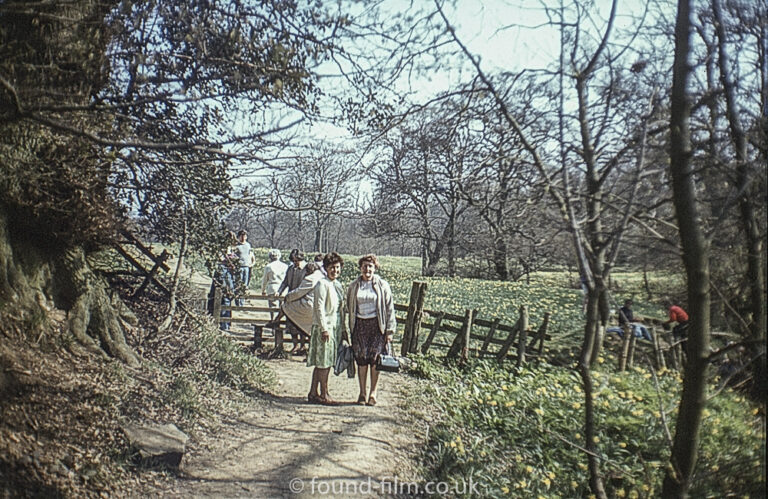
[387,362]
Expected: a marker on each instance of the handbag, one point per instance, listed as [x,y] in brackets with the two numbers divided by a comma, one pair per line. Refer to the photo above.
[387,362]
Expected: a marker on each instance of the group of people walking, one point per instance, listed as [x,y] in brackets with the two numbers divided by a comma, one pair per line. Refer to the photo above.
[320,313]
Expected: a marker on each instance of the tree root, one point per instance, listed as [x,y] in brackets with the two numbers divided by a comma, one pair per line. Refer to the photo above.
[95,319]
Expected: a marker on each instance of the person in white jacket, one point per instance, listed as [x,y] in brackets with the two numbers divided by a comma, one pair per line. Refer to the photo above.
[274,273]
[327,329]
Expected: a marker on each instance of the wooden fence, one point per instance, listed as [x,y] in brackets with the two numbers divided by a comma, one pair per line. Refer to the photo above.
[454,333]
[247,315]
[664,351]
[451,332]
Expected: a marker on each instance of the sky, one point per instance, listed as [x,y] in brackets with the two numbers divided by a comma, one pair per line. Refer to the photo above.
[507,35]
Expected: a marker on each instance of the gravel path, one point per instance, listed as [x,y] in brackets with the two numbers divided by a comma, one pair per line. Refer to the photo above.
[285,447]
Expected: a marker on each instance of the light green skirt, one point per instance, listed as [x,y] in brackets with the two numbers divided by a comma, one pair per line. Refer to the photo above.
[321,353]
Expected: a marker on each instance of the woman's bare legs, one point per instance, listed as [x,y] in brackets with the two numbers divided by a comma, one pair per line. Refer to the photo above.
[324,395]
[314,396]
[362,378]
[374,383]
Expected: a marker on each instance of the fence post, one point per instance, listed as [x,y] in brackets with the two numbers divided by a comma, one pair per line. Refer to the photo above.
[631,356]
[508,342]
[672,351]
[658,354]
[466,330]
[625,346]
[278,332]
[258,342]
[539,336]
[413,319]
[523,334]
[543,332]
[432,332]
[458,340]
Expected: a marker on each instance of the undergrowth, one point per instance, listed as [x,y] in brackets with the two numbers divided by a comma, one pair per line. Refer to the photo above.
[519,433]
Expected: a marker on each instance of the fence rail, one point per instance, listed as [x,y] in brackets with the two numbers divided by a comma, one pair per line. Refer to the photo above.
[455,332]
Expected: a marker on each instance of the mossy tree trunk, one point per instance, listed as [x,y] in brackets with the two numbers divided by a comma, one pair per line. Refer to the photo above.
[34,280]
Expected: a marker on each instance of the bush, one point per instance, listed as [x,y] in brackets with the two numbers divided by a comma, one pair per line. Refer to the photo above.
[227,363]
[520,432]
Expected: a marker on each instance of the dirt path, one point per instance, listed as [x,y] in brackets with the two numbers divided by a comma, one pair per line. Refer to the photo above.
[285,447]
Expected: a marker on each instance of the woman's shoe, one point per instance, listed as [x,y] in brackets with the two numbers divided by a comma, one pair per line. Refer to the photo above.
[361,400]
[328,401]
[371,401]
[314,399]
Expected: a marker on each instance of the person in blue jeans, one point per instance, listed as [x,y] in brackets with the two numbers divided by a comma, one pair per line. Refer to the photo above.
[224,279]
[627,316]
[243,253]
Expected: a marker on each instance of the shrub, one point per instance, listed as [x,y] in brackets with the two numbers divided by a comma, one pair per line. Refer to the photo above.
[520,432]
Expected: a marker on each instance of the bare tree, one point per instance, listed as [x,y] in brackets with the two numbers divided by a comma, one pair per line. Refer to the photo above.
[696,260]
[421,180]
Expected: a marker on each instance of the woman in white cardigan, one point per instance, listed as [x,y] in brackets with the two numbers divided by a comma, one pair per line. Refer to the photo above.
[327,329]
[371,323]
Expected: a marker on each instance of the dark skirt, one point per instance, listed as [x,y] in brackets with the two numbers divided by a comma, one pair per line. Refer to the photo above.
[367,341]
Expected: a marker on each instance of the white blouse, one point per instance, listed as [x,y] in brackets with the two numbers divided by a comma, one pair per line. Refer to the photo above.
[366,301]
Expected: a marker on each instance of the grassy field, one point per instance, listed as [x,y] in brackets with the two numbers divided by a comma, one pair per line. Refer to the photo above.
[556,292]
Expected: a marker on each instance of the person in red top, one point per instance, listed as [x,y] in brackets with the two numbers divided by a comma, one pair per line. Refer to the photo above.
[678,315]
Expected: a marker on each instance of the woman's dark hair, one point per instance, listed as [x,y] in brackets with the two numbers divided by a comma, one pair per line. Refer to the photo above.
[310,268]
[296,254]
[331,258]
[371,258]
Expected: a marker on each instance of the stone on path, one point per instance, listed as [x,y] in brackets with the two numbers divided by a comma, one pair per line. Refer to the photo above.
[157,445]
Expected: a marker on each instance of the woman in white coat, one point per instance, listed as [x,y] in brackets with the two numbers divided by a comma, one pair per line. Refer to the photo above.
[327,329]
[274,273]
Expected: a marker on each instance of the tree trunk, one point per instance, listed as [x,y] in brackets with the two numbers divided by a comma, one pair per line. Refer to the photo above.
[32,281]
[593,465]
[95,319]
[752,240]
[677,480]
[452,245]
[500,257]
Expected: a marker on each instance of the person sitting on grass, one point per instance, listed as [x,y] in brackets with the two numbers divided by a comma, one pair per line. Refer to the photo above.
[627,316]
